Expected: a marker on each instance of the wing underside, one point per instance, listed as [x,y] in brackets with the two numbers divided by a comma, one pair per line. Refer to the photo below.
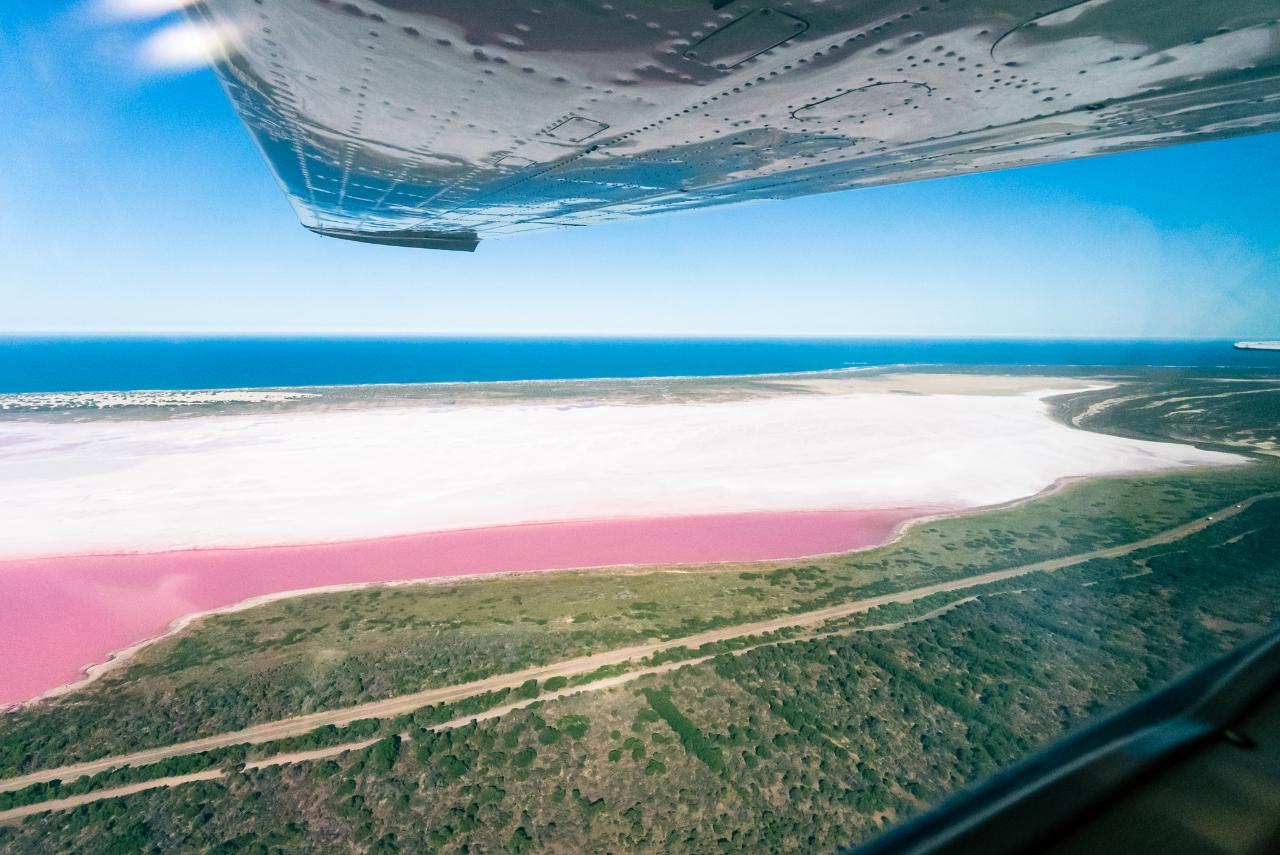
[440,123]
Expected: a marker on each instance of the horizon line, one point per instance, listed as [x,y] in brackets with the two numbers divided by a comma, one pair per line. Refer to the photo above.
[604,335]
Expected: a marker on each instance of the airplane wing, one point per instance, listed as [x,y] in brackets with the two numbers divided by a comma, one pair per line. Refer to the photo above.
[436,123]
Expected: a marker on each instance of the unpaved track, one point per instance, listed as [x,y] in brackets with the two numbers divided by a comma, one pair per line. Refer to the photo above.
[211,774]
[285,758]
[404,704]
[15,814]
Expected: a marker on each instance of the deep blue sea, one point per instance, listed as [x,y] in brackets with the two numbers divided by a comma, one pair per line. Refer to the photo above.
[63,364]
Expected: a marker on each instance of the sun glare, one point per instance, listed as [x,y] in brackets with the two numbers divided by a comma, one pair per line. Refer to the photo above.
[184,46]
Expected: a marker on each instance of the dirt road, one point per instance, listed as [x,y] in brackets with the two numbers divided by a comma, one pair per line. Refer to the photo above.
[403,704]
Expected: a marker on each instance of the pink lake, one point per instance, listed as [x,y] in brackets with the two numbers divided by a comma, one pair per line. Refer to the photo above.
[61,615]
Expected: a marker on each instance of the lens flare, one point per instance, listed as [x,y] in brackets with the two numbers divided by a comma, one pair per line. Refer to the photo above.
[136,9]
[184,46]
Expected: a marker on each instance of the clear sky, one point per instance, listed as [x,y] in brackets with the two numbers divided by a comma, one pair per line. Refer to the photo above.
[132,200]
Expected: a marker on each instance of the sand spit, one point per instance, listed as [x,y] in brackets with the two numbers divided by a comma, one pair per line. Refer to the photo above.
[160,405]
[180,398]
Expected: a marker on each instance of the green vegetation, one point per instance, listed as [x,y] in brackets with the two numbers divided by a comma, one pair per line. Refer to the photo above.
[322,737]
[818,742]
[1227,413]
[690,737]
[234,670]
[120,777]
[777,743]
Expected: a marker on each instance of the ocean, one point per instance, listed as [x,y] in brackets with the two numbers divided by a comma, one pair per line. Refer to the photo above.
[84,364]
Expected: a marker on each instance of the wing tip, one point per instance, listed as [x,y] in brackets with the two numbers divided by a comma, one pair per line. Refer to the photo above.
[461,241]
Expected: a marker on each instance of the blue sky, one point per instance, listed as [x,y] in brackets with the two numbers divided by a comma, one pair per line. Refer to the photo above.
[133,200]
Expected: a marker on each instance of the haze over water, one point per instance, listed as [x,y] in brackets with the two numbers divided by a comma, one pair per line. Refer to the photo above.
[66,364]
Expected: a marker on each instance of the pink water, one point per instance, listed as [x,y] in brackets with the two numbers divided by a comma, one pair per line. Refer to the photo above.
[59,615]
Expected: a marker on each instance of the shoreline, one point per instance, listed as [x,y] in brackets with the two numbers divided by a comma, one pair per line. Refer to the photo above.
[530,380]
[872,368]
[8,560]
[173,579]
[215,517]
[121,657]
[20,407]
[271,478]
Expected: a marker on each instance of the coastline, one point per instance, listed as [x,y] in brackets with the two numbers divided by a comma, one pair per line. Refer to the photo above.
[215,581]
[224,514]
[163,403]
[121,657]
